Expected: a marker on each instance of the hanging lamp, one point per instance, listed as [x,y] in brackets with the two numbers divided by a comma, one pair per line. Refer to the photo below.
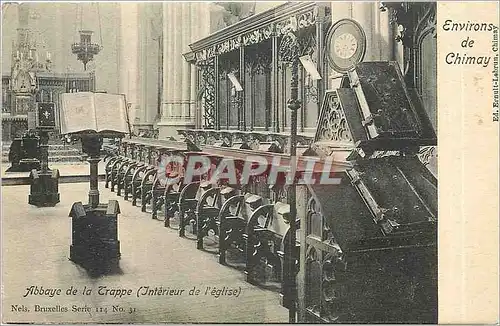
[85,50]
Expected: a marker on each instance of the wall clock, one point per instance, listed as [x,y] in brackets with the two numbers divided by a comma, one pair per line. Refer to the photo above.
[346,45]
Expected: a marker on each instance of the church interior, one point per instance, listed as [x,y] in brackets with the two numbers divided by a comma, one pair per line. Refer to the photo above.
[105,103]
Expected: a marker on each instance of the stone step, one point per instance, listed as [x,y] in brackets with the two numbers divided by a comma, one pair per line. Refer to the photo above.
[55,152]
[58,153]
[54,159]
[51,147]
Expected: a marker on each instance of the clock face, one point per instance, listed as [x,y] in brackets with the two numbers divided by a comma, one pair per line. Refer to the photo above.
[346,44]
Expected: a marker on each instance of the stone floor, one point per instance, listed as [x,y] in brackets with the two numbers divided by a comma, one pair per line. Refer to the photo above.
[35,248]
[65,169]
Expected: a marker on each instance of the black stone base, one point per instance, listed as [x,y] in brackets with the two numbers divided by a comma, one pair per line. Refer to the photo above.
[25,166]
[44,188]
[95,244]
[98,257]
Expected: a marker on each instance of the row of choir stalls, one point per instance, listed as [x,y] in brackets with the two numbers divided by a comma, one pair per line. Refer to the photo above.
[49,87]
[365,248]
[244,223]
[244,83]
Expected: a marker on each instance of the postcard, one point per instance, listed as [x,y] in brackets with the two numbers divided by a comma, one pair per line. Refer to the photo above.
[250,162]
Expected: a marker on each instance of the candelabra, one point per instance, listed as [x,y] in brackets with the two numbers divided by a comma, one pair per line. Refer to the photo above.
[85,50]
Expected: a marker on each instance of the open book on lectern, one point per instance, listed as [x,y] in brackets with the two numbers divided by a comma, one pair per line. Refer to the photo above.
[86,111]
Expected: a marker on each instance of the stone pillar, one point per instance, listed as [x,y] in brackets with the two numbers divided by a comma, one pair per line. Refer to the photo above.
[179,22]
[377,29]
[167,22]
[186,71]
[196,32]
[148,63]
[193,101]
[176,72]
[130,76]
[144,47]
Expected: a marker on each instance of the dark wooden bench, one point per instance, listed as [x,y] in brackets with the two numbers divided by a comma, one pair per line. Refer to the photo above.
[114,171]
[207,213]
[147,187]
[188,199]
[120,175]
[129,177]
[171,200]
[157,197]
[233,219]
[137,181]
[108,167]
[268,245]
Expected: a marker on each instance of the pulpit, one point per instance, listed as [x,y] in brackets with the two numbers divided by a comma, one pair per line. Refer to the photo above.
[93,117]
[44,182]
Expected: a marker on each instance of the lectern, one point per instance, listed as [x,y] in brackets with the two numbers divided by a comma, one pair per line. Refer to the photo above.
[92,117]
[368,246]
[44,182]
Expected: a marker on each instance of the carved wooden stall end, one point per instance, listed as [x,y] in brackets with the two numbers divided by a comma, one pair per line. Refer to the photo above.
[369,247]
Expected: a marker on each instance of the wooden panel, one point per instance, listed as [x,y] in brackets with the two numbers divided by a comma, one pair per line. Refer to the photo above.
[383,87]
[351,271]
[393,190]
[350,106]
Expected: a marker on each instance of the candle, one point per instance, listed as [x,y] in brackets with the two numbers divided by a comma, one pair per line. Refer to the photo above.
[48,55]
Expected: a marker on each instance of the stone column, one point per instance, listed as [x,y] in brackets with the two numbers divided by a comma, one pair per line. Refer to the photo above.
[166,56]
[377,29]
[176,72]
[148,63]
[196,32]
[130,76]
[144,47]
[193,100]
[186,71]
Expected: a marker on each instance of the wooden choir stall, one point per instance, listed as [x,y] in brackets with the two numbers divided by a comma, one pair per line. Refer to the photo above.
[366,249]
[366,245]
[369,244]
